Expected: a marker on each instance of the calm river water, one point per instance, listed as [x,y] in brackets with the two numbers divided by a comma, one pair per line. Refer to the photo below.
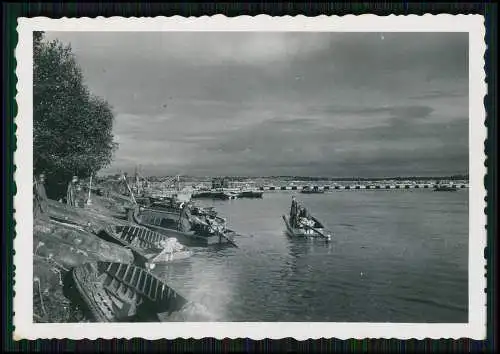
[396,256]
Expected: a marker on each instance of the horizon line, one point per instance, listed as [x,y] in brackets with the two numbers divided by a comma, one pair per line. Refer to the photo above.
[462,175]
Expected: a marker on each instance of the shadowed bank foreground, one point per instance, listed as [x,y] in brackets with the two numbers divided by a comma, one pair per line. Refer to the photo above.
[65,239]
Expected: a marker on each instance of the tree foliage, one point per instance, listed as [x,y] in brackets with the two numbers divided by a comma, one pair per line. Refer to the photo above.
[72,128]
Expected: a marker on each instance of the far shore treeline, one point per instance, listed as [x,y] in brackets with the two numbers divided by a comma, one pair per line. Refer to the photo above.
[72,128]
[188,178]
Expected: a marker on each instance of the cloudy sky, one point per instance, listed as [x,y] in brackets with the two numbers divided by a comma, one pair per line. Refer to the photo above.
[329,104]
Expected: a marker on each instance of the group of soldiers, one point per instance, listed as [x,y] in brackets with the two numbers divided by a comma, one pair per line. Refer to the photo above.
[73,198]
[203,221]
[298,214]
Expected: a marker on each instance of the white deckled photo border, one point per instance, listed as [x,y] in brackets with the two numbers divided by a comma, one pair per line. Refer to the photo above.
[23,159]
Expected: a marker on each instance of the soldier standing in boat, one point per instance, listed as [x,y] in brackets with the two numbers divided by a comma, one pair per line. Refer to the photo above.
[185,218]
[303,213]
[293,212]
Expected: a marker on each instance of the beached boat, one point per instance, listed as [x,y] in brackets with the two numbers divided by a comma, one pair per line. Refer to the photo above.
[317,230]
[165,224]
[150,247]
[119,292]
[314,190]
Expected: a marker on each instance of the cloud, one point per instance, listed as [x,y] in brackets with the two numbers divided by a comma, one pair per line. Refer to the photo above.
[279,103]
[436,94]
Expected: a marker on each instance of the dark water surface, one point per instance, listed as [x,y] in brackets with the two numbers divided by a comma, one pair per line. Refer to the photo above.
[396,256]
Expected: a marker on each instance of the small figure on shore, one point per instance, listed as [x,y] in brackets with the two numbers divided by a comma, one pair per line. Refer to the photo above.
[41,186]
[40,196]
[71,195]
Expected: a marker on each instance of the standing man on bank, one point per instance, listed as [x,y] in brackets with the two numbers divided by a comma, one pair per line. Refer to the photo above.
[185,218]
[71,195]
[40,196]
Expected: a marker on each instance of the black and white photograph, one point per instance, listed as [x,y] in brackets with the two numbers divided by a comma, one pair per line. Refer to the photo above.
[286,175]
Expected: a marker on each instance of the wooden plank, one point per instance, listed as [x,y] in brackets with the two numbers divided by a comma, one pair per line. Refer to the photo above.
[151,288]
[135,233]
[117,273]
[134,272]
[115,284]
[162,291]
[126,272]
[158,284]
[138,282]
[119,289]
[126,233]
[143,290]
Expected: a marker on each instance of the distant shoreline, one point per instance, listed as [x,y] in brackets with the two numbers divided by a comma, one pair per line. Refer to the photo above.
[304,178]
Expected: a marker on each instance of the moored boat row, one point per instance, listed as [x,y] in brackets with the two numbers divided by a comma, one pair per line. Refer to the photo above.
[120,284]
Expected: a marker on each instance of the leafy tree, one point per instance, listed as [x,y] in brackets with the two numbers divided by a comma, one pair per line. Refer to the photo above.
[72,128]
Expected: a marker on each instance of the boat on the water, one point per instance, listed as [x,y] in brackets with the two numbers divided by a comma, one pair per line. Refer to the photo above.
[165,204]
[119,292]
[224,190]
[316,230]
[301,224]
[216,194]
[149,246]
[445,188]
[250,193]
[313,190]
[173,208]
[201,233]
[228,194]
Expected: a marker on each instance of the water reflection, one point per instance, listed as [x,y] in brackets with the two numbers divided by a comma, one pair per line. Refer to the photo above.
[301,246]
[173,271]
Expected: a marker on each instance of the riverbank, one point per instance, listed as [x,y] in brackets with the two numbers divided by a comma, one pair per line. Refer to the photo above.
[66,237]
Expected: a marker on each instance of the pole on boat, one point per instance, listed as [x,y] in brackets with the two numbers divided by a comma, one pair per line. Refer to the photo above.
[89,201]
[227,238]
